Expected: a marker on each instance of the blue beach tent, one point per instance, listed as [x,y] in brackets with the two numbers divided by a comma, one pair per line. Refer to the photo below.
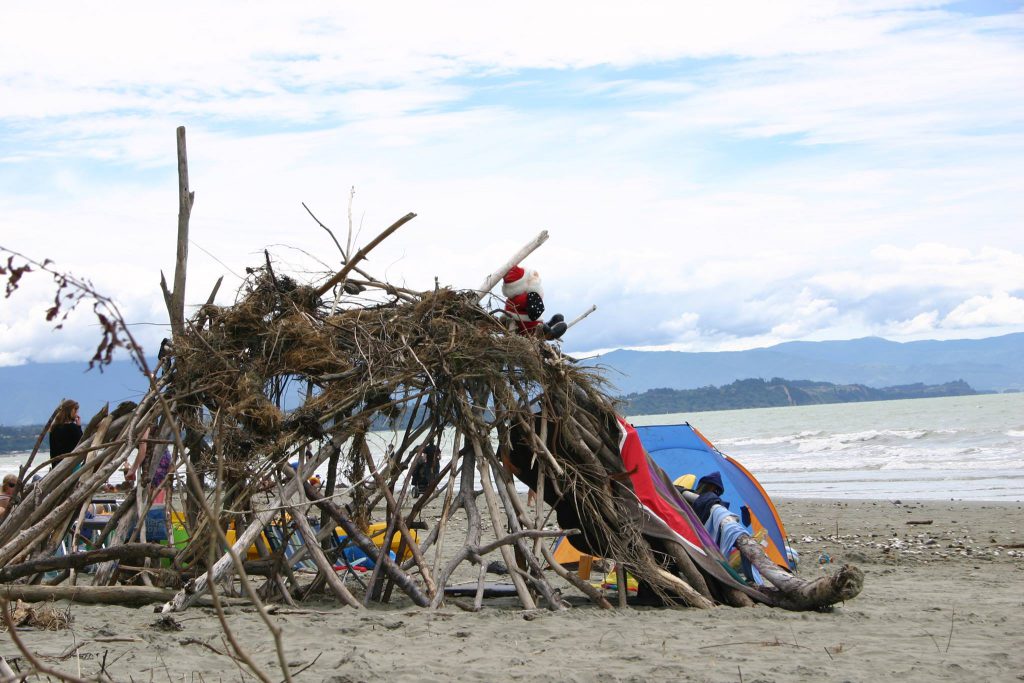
[681,449]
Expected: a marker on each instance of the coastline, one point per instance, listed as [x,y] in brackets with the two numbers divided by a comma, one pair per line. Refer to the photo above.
[941,601]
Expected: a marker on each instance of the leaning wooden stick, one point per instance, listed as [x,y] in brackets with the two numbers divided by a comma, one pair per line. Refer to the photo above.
[593,593]
[497,275]
[323,564]
[361,254]
[582,315]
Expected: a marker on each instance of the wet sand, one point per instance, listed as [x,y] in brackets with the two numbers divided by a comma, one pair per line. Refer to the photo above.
[941,601]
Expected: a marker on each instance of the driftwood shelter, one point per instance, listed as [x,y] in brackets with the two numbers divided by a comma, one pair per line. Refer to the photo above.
[432,366]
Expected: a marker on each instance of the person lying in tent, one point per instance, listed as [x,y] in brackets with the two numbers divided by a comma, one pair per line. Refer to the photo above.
[709,494]
[724,526]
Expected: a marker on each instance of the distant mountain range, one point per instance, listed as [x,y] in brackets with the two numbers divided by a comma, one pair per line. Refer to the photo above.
[993,364]
[759,393]
[29,393]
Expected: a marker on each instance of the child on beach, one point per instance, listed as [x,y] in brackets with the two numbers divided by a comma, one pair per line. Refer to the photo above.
[7,493]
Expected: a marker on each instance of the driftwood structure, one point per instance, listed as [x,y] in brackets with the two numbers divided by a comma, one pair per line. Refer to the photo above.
[248,400]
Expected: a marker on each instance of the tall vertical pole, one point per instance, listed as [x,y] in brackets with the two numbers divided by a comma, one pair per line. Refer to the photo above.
[185,199]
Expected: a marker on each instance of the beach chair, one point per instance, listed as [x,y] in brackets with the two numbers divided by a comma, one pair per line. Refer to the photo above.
[350,560]
[565,554]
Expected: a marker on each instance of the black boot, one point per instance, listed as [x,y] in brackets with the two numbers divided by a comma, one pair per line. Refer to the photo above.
[552,332]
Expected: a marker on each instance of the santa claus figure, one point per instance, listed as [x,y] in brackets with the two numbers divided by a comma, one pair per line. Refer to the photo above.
[524,304]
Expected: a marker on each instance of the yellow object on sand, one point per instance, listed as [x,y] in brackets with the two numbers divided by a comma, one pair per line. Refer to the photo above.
[611,582]
[253,553]
[566,553]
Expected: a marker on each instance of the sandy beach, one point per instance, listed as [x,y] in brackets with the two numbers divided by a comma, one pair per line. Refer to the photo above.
[941,601]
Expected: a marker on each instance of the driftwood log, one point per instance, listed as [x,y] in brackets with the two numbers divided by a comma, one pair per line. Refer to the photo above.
[96,595]
[128,551]
[794,593]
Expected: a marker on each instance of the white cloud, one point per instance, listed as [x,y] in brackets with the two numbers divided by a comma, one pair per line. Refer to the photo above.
[983,311]
[922,323]
[929,267]
[807,315]
[687,323]
[722,162]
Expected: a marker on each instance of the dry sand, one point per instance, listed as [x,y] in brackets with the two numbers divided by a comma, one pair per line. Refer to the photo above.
[943,601]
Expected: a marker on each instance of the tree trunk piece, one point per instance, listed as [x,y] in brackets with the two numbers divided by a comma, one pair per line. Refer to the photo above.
[688,568]
[793,593]
[685,590]
[79,560]
[176,309]
[99,595]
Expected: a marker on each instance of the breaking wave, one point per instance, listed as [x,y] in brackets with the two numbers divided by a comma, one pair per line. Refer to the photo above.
[924,446]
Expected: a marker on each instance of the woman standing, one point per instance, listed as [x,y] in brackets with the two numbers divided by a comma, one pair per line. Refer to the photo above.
[66,431]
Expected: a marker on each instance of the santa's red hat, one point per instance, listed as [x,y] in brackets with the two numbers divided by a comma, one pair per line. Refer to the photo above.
[518,280]
[514,274]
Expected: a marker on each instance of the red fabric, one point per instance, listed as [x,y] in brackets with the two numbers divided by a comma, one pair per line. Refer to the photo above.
[514,273]
[634,458]
[516,308]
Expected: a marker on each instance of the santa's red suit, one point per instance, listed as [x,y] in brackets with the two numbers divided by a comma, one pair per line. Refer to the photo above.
[524,298]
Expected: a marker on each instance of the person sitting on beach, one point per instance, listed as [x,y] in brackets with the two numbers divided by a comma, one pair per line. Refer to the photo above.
[10,484]
[66,431]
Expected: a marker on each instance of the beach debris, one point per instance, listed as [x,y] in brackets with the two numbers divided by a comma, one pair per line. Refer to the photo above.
[497,567]
[45,617]
[167,623]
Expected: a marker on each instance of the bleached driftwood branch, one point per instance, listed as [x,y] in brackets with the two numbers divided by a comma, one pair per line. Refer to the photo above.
[496,276]
[582,315]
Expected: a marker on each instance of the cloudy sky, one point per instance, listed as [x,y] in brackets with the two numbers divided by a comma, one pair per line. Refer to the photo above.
[713,175]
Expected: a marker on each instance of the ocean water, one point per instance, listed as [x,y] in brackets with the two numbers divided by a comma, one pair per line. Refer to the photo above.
[964,448]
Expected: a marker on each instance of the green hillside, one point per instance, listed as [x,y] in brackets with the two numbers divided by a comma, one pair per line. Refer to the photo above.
[21,438]
[760,393]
